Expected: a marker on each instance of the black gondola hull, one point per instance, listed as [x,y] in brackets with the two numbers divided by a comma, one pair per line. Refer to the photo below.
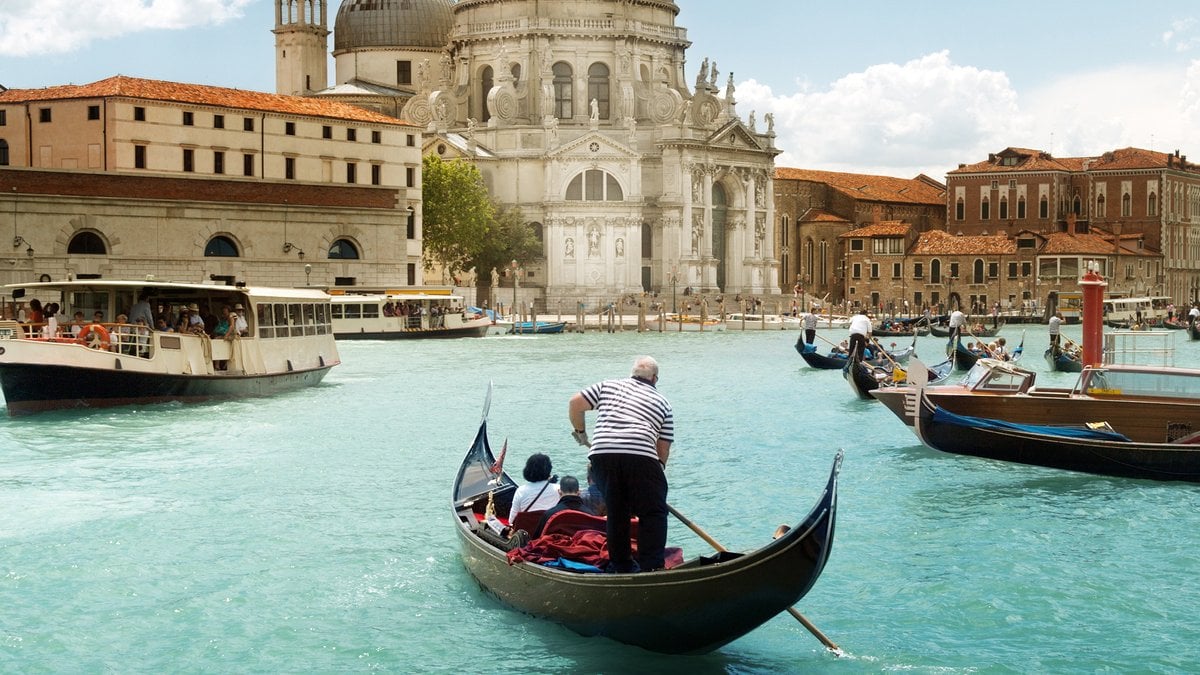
[1157,461]
[694,608]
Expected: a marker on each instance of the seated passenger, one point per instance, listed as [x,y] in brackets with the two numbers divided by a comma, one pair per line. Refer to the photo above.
[568,500]
[535,495]
[239,320]
[592,497]
[77,324]
[195,320]
[122,336]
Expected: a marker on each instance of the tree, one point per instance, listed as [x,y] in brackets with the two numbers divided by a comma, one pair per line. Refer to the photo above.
[456,212]
[509,238]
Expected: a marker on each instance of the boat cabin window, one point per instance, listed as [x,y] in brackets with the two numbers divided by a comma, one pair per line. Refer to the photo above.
[282,320]
[1143,383]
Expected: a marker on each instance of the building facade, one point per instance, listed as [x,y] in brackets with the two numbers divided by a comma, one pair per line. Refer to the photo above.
[1144,204]
[128,177]
[635,176]
[816,208]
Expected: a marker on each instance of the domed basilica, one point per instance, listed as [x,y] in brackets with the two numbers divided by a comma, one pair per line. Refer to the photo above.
[580,112]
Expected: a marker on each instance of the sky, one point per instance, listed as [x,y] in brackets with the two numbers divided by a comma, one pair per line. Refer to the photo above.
[872,86]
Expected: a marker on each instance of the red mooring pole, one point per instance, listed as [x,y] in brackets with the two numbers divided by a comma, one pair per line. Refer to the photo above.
[1093,286]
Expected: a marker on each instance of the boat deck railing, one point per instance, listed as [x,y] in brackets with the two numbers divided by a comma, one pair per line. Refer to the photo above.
[1139,348]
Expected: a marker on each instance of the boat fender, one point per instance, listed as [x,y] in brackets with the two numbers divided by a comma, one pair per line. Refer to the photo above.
[101,340]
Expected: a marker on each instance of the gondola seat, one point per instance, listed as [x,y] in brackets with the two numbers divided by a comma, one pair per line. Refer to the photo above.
[527,520]
[569,522]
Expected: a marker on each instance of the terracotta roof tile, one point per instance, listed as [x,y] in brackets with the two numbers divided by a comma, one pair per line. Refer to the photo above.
[1036,160]
[940,242]
[1059,243]
[121,86]
[871,188]
[886,228]
[820,216]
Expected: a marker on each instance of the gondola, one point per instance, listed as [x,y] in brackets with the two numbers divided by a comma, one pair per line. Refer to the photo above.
[1062,361]
[914,330]
[938,330]
[538,328]
[865,378]
[1193,330]
[963,358]
[1083,448]
[834,361]
[692,608]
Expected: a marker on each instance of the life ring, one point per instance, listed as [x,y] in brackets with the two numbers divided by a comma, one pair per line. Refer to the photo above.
[102,339]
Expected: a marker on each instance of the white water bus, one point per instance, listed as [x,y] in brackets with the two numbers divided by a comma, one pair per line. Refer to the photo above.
[404,314]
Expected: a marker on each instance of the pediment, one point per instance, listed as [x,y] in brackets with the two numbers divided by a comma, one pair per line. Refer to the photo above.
[734,135]
[593,144]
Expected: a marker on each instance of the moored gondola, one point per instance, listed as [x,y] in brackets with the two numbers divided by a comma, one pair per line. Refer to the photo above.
[692,608]
[1089,448]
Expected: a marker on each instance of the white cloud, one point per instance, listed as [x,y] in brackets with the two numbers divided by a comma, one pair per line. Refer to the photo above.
[924,116]
[929,115]
[1178,37]
[34,27]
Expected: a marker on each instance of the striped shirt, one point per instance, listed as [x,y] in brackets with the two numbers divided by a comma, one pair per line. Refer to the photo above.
[631,417]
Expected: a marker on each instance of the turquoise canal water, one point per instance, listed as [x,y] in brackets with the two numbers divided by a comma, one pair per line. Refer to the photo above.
[311,532]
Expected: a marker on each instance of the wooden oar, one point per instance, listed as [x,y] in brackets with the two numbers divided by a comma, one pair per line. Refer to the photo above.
[791,610]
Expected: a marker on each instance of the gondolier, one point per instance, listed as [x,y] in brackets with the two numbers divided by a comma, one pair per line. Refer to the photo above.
[1055,324]
[957,321]
[632,440]
[860,330]
[810,327]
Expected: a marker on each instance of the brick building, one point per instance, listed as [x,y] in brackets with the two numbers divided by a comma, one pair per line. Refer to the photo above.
[816,208]
[1147,201]
[128,177]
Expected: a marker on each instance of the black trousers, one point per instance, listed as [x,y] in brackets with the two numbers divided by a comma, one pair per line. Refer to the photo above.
[810,335]
[633,485]
[859,342]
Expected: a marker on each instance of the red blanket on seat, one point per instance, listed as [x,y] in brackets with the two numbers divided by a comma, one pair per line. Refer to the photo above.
[585,546]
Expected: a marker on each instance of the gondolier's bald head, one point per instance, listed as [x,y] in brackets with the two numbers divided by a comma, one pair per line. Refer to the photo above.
[646,368]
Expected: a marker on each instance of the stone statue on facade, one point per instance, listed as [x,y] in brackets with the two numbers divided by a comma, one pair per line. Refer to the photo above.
[729,88]
[750,123]
[770,118]
[593,236]
[594,108]
[472,123]
[569,247]
[702,76]
[713,82]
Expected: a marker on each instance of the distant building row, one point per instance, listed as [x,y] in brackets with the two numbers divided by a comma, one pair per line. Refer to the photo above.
[1018,227]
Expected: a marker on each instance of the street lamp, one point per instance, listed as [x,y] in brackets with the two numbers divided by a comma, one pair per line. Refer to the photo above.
[307,272]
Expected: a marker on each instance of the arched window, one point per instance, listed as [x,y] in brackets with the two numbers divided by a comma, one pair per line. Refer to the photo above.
[1126,205]
[1003,208]
[935,271]
[86,243]
[1151,202]
[977,272]
[1044,208]
[220,246]
[647,241]
[985,209]
[1021,208]
[598,88]
[1100,206]
[516,73]
[485,86]
[960,209]
[3,152]
[564,108]
[343,249]
[595,185]
[1077,206]
[538,231]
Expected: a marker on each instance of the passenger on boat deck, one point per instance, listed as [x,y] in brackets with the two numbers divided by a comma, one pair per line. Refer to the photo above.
[225,325]
[631,443]
[239,320]
[195,320]
[162,326]
[51,320]
[122,336]
[536,494]
[568,500]
[97,317]
[35,314]
[141,310]
[77,324]
[389,309]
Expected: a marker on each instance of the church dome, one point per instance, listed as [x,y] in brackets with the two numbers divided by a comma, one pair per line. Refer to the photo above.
[392,23]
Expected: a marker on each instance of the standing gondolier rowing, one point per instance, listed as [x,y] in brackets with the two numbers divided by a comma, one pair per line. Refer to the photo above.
[1055,324]
[810,327]
[631,442]
[860,332]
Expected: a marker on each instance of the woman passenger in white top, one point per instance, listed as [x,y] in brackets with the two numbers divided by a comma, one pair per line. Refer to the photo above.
[536,494]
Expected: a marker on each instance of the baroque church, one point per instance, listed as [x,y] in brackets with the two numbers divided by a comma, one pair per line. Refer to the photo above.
[579,112]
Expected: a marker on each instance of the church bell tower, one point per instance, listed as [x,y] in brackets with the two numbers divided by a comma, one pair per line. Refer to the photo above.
[301,46]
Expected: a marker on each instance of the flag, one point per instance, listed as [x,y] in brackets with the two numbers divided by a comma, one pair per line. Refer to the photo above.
[498,465]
